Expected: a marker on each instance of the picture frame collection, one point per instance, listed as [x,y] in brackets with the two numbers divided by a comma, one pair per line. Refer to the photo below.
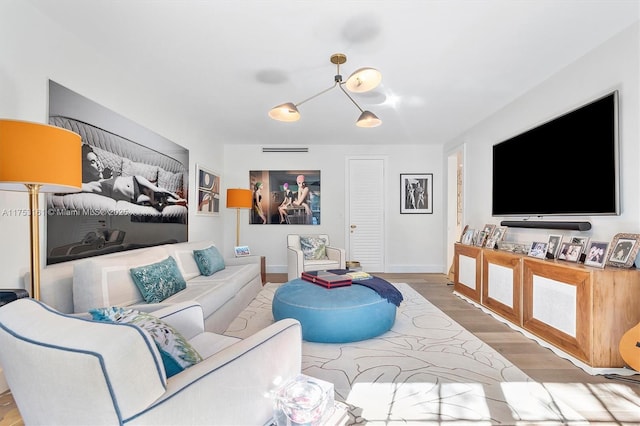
[620,252]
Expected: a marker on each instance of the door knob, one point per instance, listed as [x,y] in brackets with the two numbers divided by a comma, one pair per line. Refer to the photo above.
[353,227]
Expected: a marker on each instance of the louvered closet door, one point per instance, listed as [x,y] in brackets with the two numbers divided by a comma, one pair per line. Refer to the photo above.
[365,218]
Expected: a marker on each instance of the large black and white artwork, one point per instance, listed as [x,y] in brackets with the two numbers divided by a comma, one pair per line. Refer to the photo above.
[134,184]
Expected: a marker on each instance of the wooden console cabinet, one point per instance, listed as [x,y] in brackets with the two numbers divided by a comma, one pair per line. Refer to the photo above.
[580,310]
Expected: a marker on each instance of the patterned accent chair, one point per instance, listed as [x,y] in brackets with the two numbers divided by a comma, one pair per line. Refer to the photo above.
[312,253]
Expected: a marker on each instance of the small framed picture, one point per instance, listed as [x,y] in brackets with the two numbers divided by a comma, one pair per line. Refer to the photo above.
[416,193]
[569,251]
[538,250]
[583,241]
[467,238]
[491,243]
[498,233]
[242,251]
[553,245]
[482,238]
[464,231]
[488,229]
[624,249]
[208,191]
[596,254]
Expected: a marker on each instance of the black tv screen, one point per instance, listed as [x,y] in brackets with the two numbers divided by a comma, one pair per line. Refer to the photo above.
[566,166]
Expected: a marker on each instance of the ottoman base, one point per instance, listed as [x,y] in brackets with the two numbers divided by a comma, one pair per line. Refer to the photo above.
[337,315]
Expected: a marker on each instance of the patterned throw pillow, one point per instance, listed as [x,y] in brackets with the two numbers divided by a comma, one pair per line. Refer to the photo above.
[159,280]
[313,248]
[176,352]
[209,260]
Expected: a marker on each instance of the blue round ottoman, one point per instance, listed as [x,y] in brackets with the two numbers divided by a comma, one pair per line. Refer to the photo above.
[336,315]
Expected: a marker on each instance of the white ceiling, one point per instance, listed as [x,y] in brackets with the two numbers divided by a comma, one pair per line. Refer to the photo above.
[446,65]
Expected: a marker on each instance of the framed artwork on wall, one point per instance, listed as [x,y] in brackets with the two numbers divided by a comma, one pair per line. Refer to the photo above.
[285,197]
[135,188]
[208,191]
[624,249]
[416,193]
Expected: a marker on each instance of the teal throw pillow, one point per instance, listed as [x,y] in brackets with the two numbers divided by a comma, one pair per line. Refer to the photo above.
[176,352]
[159,280]
[209,260]
[313,248]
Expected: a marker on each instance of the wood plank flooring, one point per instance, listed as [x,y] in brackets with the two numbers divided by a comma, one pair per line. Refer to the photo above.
[537,362]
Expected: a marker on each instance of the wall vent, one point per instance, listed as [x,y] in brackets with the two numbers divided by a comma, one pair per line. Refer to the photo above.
[284,149]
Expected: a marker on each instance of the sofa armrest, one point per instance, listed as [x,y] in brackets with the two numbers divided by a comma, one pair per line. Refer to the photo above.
[338,255]
[220,386]
[186,317]
[243,260]
[295,263]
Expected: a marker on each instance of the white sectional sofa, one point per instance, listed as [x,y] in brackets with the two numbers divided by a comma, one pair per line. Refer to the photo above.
[101,281]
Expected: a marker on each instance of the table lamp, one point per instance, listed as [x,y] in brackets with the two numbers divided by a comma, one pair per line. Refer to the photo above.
[38,158]
[238,198]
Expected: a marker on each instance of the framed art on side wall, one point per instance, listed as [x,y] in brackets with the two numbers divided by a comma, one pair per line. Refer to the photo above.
[416,193]
[208,191]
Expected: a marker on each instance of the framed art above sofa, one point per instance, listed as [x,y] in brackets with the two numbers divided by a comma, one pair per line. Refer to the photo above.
[134,184]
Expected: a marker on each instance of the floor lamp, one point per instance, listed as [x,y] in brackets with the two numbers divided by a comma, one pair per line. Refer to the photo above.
[238,198]
[37,158]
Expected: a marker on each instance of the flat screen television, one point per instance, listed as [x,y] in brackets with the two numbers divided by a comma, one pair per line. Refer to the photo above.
[566,166]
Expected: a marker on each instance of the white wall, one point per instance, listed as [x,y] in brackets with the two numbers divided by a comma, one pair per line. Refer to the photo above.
[34,51]
[413,241]
[614,65]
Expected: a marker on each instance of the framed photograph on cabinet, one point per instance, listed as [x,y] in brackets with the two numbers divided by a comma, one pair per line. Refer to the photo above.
[538,249]
[482,238]
[624,249]
[208,191]
[467,238]
[583,241]
[416,193]
[596,254]
[488,229]
[553,245]
[569,252]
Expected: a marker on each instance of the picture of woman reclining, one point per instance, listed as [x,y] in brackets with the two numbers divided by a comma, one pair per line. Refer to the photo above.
[97,179]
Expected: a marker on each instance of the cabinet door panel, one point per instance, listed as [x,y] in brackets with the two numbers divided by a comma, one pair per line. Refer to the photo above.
[502,284]
[468,269]
[557,306]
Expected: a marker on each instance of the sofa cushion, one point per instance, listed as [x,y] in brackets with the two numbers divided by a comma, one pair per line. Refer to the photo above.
[183,254]
[313,248]
[158,281]
[209,260]
[176,352]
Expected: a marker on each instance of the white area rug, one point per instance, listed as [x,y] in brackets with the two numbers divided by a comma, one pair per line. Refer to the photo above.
[426,370]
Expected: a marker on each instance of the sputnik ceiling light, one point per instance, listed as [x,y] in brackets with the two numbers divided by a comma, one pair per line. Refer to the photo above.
[362,80]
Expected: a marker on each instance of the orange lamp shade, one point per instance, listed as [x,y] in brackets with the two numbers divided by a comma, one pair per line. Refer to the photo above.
[238,198]
[33,153]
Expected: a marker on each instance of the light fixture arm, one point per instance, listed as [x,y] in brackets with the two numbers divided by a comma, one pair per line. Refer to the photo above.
[316,95]
[352,100]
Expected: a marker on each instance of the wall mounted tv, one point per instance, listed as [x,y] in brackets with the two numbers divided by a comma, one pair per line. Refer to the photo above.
[566,166]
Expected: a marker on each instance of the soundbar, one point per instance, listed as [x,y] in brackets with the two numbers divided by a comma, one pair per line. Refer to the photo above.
[575,226]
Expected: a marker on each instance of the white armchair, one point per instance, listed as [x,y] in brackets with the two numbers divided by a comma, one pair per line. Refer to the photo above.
[63,369]
[304,257]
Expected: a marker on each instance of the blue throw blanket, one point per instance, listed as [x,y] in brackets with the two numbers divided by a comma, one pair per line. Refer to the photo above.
[384,288]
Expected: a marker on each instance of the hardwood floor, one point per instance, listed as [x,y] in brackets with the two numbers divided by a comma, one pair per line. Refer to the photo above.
[537,362]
